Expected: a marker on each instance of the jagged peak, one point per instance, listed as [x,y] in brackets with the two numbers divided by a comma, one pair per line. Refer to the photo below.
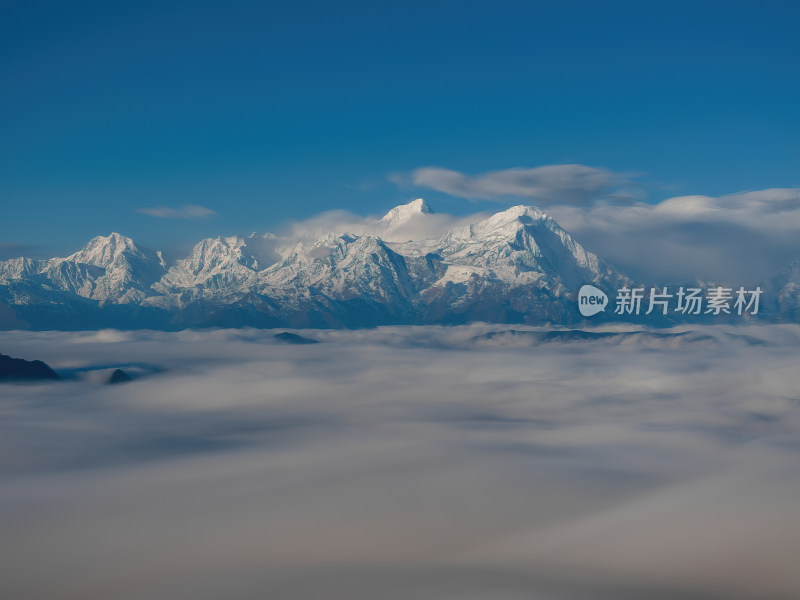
[255,251]
[114,239]
[102,250]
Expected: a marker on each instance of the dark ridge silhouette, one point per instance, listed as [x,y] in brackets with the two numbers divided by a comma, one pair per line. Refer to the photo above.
[293,338]
[119,376]
[12,369]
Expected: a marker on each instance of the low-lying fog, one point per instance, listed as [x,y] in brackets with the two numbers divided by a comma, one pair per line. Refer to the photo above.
[403,463]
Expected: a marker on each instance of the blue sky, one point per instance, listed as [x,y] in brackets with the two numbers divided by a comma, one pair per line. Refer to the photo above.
[263,112]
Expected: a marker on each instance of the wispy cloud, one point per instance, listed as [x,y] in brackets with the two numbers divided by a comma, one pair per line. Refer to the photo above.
[571,184]
[186,211]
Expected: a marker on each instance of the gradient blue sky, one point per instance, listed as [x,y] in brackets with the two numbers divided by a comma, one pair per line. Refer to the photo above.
[271,111]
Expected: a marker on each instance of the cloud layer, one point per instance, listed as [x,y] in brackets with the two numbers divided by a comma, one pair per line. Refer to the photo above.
[574,184]
[187,211]
[741,238]
[403,463]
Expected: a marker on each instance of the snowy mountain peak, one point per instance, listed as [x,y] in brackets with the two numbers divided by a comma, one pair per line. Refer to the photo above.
[502,224]
[513,214]
[101,251]
[403,222]
[404,212]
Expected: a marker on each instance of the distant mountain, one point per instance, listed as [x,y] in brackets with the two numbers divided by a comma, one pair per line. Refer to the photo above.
[293,338]
[18,369]
[119,376]
[516,266]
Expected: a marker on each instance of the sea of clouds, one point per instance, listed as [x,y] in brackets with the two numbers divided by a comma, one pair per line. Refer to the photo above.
[403,463]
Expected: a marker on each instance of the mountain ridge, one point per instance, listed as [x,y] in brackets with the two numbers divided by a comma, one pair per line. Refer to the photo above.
[515,266]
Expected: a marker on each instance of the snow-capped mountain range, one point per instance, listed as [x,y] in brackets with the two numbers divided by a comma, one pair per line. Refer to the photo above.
[516,266]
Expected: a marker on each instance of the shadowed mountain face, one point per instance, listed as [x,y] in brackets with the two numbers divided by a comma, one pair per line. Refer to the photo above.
[17,369]
[516,266]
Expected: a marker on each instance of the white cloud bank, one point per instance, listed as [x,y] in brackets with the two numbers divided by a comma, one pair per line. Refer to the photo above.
[744,238]
[403,463]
